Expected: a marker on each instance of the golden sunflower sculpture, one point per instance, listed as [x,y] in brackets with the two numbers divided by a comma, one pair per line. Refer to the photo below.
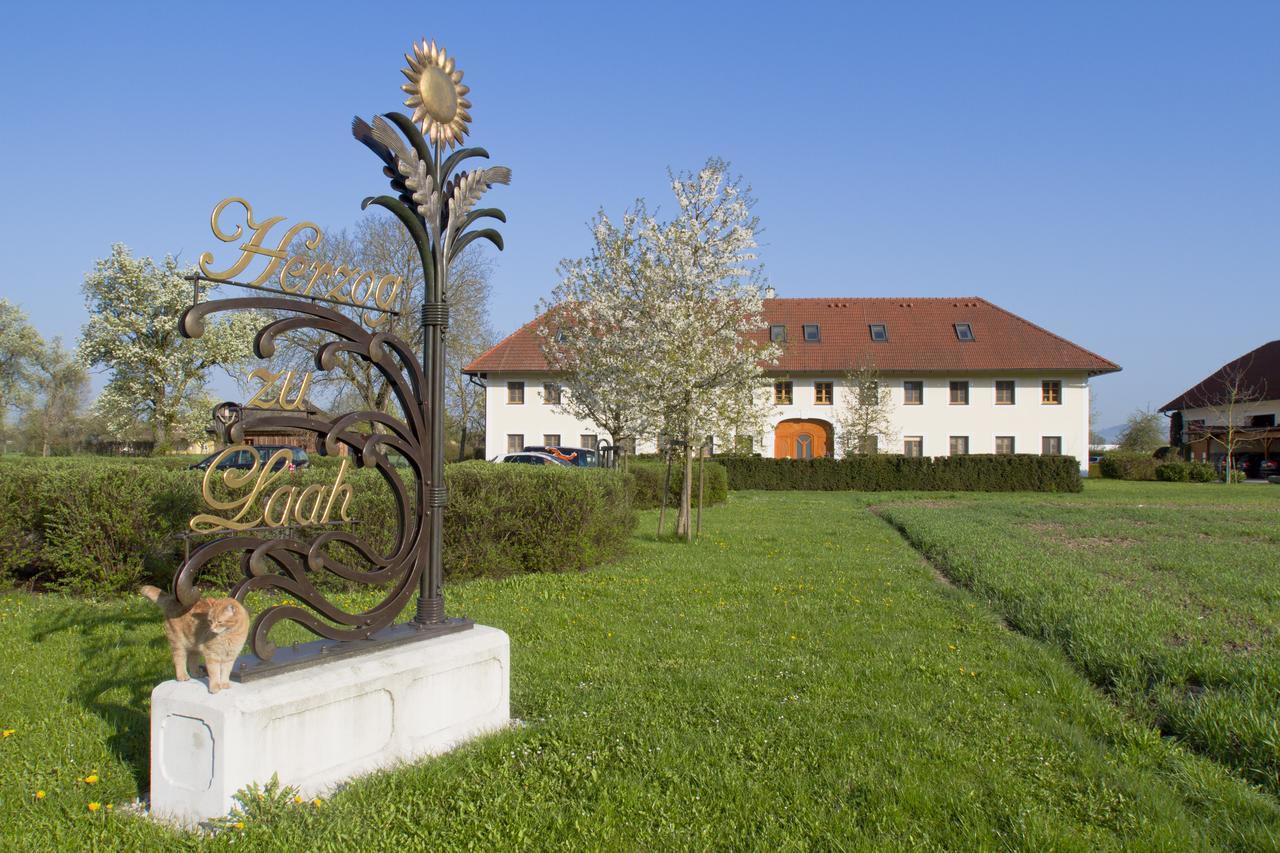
[436,94]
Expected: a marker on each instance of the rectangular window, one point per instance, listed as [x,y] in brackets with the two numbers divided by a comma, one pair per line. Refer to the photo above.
[588,441]
[913,392]
[782,393]
[960,393]
[778,334]
[959,445]
[822,393]
[811,332]
[551,394]
[913,445]
[1051,445]
[1266,421]
[551,439]
[515,393]
[879,332]
[1051,392]
[1004,445]
[1004,392]
[964,331]
[515,443]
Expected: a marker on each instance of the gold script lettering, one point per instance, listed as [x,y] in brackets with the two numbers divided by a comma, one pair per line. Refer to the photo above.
[254,245]
[283,507]
[266,398]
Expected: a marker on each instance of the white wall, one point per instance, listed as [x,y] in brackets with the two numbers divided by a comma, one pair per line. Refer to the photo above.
[936,420]
[1243,412]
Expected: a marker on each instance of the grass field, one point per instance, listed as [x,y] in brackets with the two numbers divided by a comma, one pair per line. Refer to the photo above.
[1169,599]
[799,678]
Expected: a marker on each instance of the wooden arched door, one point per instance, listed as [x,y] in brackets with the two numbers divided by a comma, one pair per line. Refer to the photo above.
[801,439]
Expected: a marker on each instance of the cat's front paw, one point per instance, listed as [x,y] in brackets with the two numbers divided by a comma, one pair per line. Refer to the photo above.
[182,676]
[214,687]
[226,685]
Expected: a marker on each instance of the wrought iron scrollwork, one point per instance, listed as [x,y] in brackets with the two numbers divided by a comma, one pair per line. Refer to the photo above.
[437,204]
[287,564]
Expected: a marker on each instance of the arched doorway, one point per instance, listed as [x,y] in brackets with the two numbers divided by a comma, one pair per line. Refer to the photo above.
[801,439]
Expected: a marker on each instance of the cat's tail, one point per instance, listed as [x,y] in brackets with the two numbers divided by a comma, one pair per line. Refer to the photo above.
[165,601]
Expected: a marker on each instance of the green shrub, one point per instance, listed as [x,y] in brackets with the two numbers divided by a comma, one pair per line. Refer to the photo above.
[1201,472]
[883,472]
[649,478]
[1186,472]
[505,519]
[100,526]
[1122,465]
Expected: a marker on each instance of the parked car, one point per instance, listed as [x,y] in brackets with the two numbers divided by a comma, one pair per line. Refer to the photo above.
[243,459]
[530,458]
[579,457]
[1269,467]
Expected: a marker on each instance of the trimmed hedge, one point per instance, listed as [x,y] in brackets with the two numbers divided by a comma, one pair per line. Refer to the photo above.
[649,477]
[1186,472]
[90,525]
[1124,465]
[882,472]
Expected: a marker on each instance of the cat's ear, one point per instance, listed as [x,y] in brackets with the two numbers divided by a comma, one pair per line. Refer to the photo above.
[229,612]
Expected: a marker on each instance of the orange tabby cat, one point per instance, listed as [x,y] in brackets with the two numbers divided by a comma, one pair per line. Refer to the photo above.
[214,627]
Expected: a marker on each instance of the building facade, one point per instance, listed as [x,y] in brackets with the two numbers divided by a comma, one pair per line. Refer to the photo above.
[1245,394]
[962,375]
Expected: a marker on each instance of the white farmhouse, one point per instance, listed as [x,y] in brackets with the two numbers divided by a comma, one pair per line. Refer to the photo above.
[965,376]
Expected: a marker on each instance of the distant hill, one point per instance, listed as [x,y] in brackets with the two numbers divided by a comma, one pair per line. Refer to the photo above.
[1111,434]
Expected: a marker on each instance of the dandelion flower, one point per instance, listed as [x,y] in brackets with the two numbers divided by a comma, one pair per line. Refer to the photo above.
[93,807]
[8,732]
[297,799]
[238,824]
[110,806]
[317,801]
[91,779]
[40,795]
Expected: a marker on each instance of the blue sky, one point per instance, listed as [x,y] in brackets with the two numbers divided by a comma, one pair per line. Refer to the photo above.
[1108,170]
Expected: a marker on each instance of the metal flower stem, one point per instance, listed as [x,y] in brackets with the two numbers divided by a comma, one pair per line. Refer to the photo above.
[430,608]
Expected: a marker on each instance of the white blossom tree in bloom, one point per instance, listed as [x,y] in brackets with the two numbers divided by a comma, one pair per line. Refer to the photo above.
[157,376]
[593,331]
[663,321]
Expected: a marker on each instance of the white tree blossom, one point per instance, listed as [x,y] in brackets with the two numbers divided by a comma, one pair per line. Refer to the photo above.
[662,326]
[157,376]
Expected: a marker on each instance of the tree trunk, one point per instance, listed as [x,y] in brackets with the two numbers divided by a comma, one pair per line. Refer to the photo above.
[683,527]
[702,486]
[462,443]
[666,489]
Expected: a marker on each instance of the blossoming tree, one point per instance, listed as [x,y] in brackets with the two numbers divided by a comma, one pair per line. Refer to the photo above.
[665,320]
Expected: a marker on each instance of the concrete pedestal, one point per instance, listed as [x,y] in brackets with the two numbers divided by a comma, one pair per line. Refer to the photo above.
[319,726]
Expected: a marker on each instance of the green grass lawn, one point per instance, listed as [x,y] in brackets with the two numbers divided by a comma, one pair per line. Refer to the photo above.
[1169,598]
[799,678]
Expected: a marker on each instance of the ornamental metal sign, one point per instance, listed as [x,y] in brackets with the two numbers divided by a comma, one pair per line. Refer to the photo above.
[255,513]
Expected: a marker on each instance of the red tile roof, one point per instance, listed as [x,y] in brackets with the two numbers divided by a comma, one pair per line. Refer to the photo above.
[1259,372]
[922,338]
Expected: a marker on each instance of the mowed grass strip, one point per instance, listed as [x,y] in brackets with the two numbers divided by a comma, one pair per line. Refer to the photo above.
[797,679]
[1167,595]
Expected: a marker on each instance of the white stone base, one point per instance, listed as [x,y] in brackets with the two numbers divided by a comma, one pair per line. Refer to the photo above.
[322,725]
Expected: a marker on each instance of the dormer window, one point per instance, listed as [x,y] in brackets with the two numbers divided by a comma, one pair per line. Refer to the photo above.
[964,331]
[879,332]
[811,332]
[778,334]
